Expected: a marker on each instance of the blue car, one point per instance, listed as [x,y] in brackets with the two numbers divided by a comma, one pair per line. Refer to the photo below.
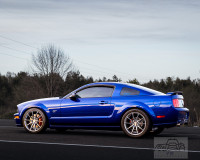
[132,108]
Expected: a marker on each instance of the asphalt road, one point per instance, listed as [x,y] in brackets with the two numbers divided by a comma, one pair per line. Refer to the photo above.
[15,143]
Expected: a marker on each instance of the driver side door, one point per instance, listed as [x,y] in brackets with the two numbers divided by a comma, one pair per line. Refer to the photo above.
[92,105]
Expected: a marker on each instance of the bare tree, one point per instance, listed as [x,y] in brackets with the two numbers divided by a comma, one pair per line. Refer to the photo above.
[53,65]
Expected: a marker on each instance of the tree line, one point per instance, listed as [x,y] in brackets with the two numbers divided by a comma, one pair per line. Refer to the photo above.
[20,87]
[53,74]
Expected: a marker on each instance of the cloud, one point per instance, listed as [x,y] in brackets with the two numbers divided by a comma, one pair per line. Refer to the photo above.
[103,19]
[110,27]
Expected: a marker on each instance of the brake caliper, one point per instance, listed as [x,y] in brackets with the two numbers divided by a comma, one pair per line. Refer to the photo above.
[40,121]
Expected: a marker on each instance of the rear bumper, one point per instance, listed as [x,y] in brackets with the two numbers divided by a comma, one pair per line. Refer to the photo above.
[177,116]
[183,117]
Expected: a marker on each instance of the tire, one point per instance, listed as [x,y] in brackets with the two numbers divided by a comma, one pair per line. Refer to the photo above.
[34,121]
[135,123]
[157,131]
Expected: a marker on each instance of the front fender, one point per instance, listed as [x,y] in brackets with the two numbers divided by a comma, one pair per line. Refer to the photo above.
[35,105]
[138,105]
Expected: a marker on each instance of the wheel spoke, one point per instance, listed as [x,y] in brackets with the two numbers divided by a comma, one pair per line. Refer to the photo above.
[137,117]
[136,128]
[138,123]
[129,118]
[29,114]
[38,125]
[29,123]
[139,127]
[35,128]
[133,116]
[133,129]
[31,127]
[130,126]
[140,119]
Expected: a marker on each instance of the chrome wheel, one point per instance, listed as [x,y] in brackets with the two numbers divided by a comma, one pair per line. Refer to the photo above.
[34,120]
[135,123]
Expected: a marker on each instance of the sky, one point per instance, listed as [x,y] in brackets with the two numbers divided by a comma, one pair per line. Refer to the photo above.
[143,39]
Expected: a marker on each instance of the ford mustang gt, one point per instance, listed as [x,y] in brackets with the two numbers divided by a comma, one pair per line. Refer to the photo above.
[132,108]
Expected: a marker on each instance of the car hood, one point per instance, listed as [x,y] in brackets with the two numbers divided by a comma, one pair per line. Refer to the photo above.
[37,100]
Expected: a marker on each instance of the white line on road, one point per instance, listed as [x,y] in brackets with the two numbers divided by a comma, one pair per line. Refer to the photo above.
[91,145]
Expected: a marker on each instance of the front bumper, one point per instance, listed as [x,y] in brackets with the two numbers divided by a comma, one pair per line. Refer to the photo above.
[17,120]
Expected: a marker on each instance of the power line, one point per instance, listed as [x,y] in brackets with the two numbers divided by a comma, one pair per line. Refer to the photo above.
[102,72]
[76,60]
[118,72]
[97,70]
[108,69]
[96,66]
[27,60]
[15,50]
[13,56]
[17,41]
[92,73]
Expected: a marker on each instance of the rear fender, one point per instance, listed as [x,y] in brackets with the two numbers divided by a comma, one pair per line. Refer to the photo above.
[137,105]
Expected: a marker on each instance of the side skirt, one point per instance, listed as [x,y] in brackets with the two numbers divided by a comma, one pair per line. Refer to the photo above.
[86,127]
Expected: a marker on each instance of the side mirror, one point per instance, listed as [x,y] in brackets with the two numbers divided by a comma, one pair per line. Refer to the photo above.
[73,97]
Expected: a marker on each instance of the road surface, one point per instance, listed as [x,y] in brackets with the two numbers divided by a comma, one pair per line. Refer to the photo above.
[15,143]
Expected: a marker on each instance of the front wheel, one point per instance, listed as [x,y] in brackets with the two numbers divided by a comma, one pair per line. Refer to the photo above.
[135,123]
[34,120]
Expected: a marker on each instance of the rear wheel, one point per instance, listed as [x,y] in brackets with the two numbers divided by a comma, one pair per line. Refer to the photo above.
[34,120]
[135,123]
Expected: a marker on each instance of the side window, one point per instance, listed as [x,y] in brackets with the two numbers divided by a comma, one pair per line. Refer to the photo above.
[95,92]
[129,92]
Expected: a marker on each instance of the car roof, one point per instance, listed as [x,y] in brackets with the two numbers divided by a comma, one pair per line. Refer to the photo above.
[129,85]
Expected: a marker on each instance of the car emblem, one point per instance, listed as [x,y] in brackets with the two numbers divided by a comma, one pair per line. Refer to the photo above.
[54,111]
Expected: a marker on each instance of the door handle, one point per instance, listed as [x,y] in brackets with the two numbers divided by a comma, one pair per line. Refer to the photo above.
[103,102]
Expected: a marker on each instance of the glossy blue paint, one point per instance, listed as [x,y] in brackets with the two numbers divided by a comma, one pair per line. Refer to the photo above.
[106,112]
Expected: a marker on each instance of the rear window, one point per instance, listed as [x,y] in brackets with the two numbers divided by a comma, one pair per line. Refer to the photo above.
[129,92]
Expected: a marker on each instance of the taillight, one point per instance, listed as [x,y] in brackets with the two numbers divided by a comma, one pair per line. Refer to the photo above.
[175,102]
[178,102]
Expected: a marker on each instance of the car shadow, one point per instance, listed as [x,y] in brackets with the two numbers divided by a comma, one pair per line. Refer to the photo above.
[99,133]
